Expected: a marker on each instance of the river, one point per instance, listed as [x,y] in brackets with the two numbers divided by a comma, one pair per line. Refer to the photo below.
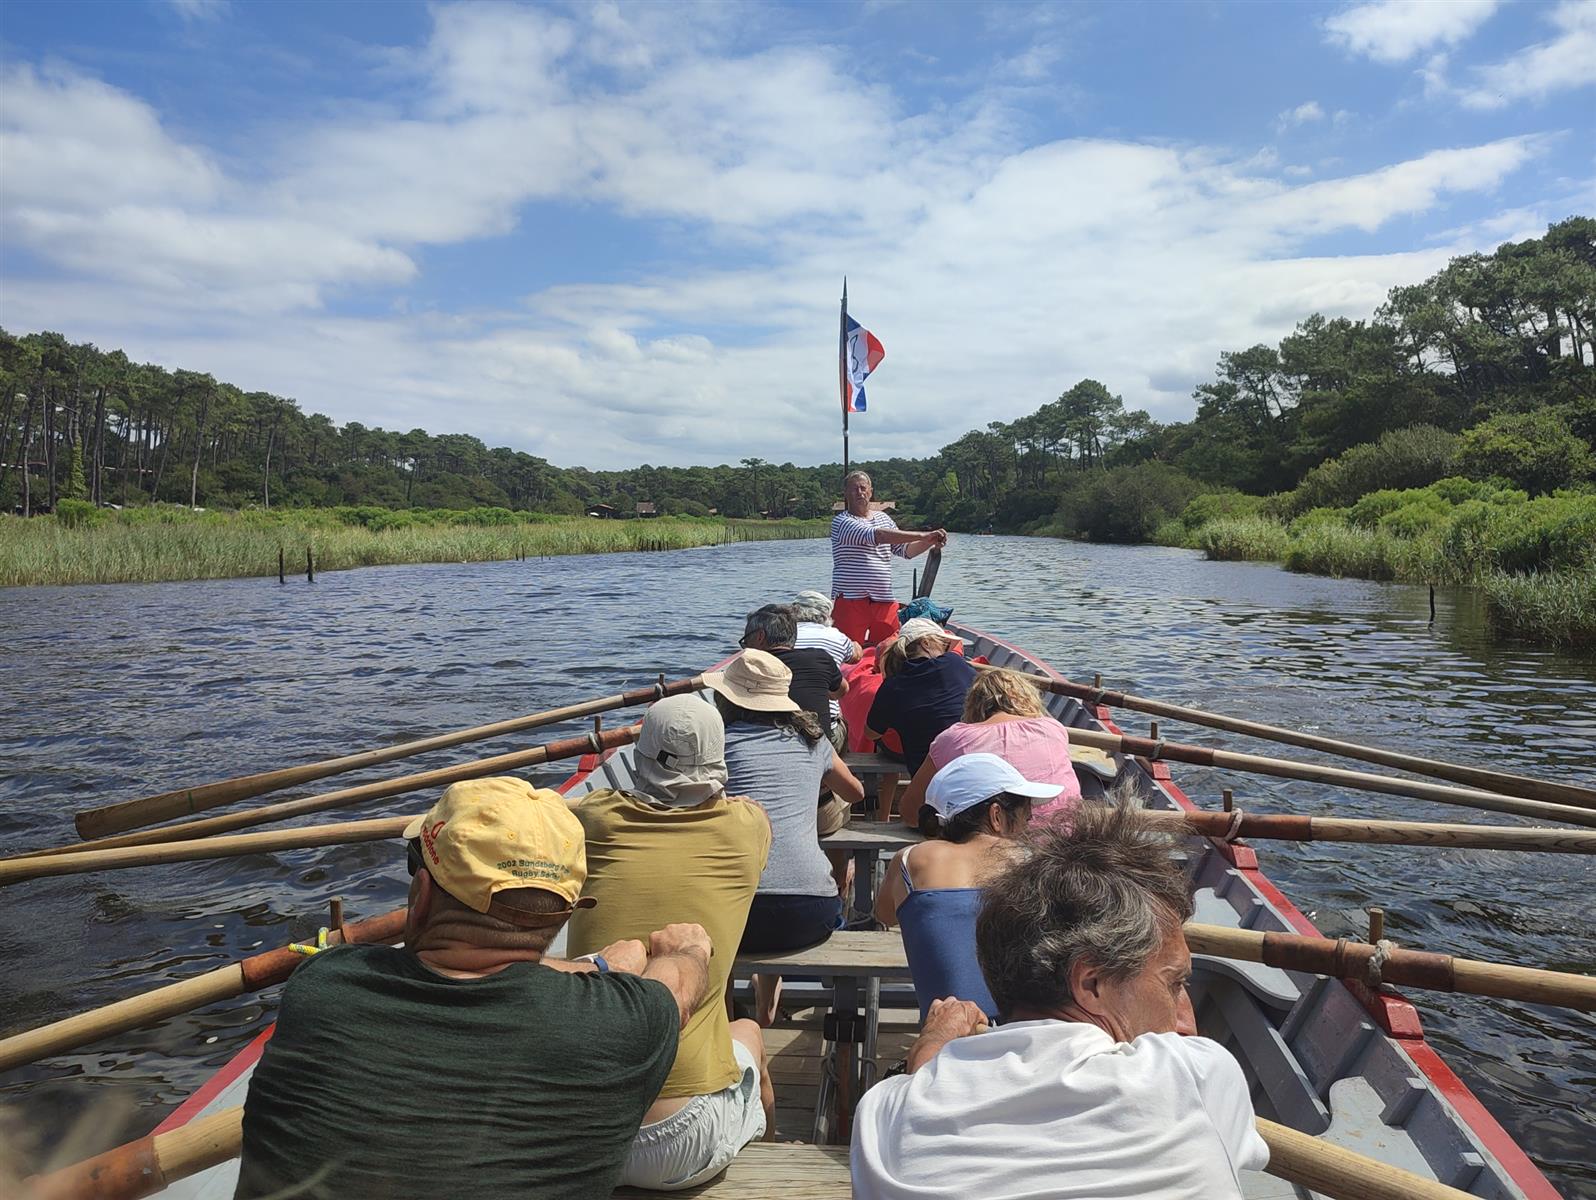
[119,691]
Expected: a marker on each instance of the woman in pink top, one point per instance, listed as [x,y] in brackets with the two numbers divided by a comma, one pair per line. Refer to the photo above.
[1003,715]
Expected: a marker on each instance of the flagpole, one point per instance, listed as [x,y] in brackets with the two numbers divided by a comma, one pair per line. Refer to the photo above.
[842,372]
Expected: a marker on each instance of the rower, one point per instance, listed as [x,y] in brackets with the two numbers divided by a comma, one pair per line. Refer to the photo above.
[467,1054]
[1088,1088]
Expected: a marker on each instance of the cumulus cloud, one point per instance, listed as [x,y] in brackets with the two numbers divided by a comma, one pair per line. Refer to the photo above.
[1566,60]
[1393,31]
[1305,112]
[997,271]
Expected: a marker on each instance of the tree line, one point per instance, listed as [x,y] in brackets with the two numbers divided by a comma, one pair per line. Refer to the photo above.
[1507,338]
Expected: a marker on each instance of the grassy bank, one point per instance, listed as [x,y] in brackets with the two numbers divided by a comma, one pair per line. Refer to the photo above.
[1535,559]
[171,543]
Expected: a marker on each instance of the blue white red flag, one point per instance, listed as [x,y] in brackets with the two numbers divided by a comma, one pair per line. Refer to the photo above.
[864,354]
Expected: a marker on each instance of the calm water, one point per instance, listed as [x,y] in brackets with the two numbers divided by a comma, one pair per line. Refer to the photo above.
[116,692]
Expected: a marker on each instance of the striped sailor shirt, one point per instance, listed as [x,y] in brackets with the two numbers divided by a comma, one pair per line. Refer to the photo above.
[860,569]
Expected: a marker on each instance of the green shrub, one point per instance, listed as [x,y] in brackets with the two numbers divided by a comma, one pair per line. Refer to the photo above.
[1421,514]
[1534,450]
[1210,506]
[486,516]
[1317,516]
[1127,503]
[76,513]
[1403,458]
[1172,532]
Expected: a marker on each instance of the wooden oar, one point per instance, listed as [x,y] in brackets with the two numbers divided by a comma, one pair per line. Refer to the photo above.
[1294,828]
[933,562]
[594,743]
[144,1167]
[1332,1170]
[42,866]
[224,983]
[168,806]
[1375,965]
[149,1165]
[1287,768]
[1504,782]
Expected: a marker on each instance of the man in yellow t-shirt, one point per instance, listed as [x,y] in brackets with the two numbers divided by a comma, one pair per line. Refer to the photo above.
[679,849]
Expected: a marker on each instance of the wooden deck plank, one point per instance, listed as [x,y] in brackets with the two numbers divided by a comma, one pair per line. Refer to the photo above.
[871,835]
[773,1171]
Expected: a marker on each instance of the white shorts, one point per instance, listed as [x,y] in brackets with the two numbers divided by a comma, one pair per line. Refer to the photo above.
[691,1145]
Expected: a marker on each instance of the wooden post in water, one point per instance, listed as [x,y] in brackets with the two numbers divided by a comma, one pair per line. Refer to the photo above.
[1432,604]
[310,567]
[282,571]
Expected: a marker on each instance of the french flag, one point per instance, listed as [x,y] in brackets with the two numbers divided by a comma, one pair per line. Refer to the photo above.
[864,355]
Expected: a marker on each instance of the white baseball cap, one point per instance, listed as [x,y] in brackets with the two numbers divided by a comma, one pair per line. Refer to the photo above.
[976,778]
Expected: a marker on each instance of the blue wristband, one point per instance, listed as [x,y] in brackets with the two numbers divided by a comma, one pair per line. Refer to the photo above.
[599,961]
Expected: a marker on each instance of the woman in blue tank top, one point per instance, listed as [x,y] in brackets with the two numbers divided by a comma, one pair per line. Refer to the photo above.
[975,808]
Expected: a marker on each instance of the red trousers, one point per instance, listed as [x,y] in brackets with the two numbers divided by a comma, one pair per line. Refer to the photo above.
[868,622]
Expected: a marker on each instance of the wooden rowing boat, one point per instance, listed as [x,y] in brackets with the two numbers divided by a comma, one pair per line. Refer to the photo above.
[1332,1058]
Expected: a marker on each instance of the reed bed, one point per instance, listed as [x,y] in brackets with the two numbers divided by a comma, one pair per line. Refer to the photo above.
[42,550]
[1231,539]
[1556,607]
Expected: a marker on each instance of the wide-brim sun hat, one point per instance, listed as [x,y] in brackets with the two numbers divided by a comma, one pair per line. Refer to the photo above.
[973,779]
[756,681]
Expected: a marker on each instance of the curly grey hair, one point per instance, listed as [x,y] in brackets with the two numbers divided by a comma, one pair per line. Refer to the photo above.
[1104,890]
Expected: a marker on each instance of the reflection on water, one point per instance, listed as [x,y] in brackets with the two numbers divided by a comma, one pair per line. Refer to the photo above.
[115,692]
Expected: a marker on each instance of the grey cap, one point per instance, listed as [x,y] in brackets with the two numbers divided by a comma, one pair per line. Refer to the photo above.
[681,752]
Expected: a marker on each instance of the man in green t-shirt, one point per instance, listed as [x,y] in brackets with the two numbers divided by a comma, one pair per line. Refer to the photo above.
[467,1063]
[678,847]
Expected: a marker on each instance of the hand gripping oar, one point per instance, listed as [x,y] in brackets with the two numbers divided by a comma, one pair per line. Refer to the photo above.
[151,810]
[144,1167]
[591,743]
[1503,782]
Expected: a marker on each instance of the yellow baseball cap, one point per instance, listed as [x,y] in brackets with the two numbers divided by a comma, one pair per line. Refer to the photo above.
[485,836]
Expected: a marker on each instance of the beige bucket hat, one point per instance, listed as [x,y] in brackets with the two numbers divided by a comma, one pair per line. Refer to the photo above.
[756,681]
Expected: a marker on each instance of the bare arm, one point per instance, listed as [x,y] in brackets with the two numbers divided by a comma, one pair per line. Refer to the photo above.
[892,892]
[907,537]
[841,690]
[843,782]
[945,1021]
[914,795]
[679,958]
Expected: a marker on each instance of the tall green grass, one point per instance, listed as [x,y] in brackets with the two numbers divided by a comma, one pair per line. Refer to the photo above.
[147,546]
[1234,538]
[1559,607]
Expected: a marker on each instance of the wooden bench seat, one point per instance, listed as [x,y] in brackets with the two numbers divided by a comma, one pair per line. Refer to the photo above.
[852,954]
[865,763]
[866,836]
[772,1171]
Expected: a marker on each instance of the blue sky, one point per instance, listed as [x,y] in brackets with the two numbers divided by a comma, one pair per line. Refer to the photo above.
[613,233]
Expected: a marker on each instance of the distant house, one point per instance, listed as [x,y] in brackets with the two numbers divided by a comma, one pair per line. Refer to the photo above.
[600,510]
[875,506]
[645,508]
[714,512]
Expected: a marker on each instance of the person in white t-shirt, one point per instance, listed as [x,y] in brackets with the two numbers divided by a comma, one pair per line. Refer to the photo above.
[1090,1086]
[816,632]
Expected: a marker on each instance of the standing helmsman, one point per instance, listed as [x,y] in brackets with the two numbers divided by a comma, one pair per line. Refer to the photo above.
[863,543]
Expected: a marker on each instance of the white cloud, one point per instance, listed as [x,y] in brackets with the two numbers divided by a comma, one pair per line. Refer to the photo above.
[1568,60]
[997,272]
[198,10]
[1392,31]
[1304,113]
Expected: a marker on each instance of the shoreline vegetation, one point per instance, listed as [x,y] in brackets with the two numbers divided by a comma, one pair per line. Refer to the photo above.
[1448,438]
[167,543]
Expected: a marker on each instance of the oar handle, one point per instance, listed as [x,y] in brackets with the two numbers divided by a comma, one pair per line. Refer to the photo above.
[1388,964]
[1335,1171]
